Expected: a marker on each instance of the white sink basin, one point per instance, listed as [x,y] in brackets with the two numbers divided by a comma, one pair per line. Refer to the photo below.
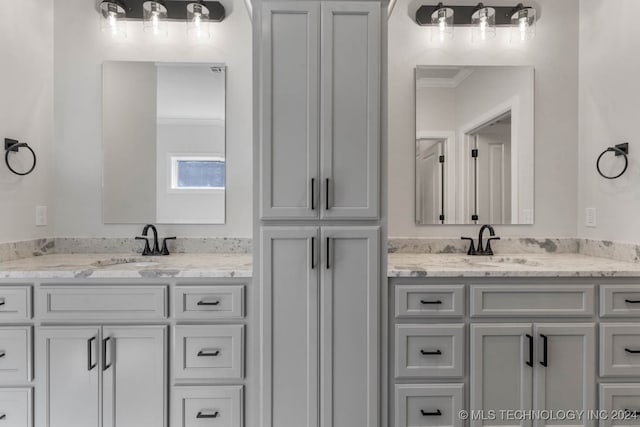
[498,261]
[129,262]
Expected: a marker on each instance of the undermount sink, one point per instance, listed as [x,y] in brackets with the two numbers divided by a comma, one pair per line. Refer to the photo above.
[129,262]
[504,261]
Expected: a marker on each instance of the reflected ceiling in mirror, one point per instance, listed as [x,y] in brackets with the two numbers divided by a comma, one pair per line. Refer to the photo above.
[474,145]
[163,143]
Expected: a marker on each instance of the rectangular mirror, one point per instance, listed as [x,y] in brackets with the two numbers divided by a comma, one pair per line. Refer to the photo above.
[474,145]
[163,136]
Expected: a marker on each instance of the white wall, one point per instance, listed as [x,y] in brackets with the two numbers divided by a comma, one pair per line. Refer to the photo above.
[553,53]
[80,48]
[609,114]
[26,114]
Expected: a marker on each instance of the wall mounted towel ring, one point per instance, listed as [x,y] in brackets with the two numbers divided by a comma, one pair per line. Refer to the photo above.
[619,150]
[11,145]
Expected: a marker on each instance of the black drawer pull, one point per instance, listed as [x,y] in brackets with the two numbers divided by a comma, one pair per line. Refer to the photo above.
[3,417]
[628,350]
[214,415]
[430,353]
[632,301]
[209,302]
[437,413]
[425,302]
[2,353]
[631,413]
[2,301]
[204,353]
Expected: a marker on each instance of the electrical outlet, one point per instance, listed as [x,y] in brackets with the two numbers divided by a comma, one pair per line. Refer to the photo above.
[590,217]
[41,216]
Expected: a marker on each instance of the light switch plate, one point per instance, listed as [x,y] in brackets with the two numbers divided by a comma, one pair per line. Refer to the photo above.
[41,216]
[590,217]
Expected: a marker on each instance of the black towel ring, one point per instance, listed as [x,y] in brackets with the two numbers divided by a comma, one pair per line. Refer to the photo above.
[619,150]
[11,145]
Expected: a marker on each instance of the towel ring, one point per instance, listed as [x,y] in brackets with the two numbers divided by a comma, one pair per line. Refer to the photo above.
[11,145]
[619,150]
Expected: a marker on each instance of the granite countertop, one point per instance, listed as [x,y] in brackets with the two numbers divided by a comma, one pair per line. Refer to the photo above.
[104,266]
[505,265]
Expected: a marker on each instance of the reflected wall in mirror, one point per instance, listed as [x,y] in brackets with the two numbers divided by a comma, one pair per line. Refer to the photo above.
[474,145]
[163,143]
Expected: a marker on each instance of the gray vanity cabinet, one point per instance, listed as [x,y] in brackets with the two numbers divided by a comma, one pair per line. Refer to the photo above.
[319,326]
[319,109]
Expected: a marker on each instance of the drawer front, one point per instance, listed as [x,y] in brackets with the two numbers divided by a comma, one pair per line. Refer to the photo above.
[429,301]
[208,352]
[619,301]
[15,303]
[16,407]
[207,406]
[102,302]
[532,300]
[15,354]
[208,302]
[429,405]
[620,349]
[622,402]
[424,351]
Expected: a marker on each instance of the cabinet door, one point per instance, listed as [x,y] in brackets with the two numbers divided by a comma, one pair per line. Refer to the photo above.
[68,370]
[350,112]
[289,64]
[349,327]
[289,300]
[565,378]
[501,378]
[134,379]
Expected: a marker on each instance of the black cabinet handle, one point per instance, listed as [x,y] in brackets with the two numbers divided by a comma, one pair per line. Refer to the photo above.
[545,351]
[628,350]
[209,302]
[632,301]
[430,353]
[530,361]
[2,354]
[313,253]
[90,364]
[2,301]
[425,302]
[3,417]
[328,252]
[424,413]
[202,415]
[204,353]
[313,194]
[326,195]
[105,343]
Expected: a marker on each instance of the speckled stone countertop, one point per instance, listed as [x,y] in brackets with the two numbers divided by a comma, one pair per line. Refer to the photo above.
[104,266]
[516,265]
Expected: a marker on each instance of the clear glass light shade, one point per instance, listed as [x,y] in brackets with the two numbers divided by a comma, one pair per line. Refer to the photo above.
[442,24]
[155,18]
[198,23]
[483,23]
[523,24]
[113,19]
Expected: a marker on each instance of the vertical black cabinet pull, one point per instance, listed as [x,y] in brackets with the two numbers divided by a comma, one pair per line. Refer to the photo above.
[424,413]
[545,351]
[90,364]
[105,343]
[430,353]
[313,253]
[2,301]
[328,252]
[632,301]
[326,195]
[2,354]
[313,194]
[202,415]
[628,350]
[530,361]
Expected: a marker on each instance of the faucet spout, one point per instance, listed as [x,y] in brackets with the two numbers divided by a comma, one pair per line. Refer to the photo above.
[156,246]
[492,233]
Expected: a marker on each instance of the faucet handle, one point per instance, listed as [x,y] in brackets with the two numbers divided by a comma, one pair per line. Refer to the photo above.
[147,250]
[472,248]
[165,250]
[487,249]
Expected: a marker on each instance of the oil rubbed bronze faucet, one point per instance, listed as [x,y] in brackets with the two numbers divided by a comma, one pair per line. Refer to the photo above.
[482,250]
[147,251]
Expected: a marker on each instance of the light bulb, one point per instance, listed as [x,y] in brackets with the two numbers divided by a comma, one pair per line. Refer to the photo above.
[442,22]
[155,18]
[523,23]
[198,21]
[483,21]
[113,19]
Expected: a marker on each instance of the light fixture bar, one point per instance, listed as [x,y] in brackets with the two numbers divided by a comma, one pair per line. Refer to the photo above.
[462,15]
[176,10]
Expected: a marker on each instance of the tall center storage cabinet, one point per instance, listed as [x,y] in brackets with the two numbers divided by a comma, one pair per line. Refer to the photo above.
[319,210]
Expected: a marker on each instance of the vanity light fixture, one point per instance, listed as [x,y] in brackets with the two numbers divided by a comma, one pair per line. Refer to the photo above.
[482,19]
[156,14]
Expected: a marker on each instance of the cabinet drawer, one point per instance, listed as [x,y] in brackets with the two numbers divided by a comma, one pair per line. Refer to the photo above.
[621,401]
[619,301]
[620,349]
[102,302]
[532,300]
[429,301]
[207,406]
[208,302]
[208,352]
[15,303]
[16,407]
[429,351]
[15,354]
[429,405]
